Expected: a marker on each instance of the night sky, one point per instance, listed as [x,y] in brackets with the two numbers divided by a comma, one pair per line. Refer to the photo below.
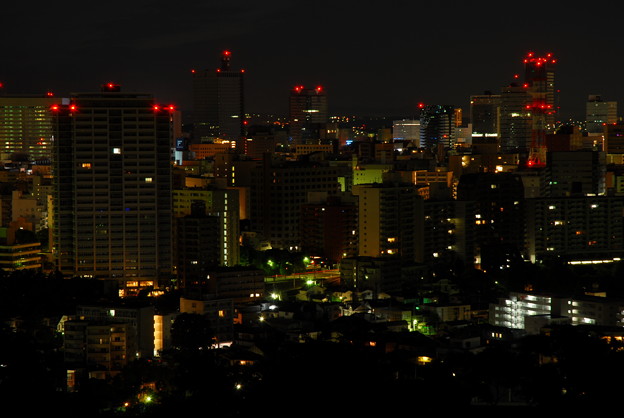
[380,60]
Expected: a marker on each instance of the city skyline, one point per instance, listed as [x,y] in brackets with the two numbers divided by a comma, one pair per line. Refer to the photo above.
[372,62]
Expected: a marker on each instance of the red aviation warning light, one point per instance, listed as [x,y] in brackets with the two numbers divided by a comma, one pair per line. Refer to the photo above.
[49,94]
[111,87]
[55,108]
[168,108]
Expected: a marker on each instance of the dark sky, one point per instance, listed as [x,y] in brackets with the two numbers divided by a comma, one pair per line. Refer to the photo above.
[379,60]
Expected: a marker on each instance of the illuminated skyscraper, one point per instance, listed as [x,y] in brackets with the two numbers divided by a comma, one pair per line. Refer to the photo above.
[26,126]
[112,188]
[218,102]
[308,113]
[437,126]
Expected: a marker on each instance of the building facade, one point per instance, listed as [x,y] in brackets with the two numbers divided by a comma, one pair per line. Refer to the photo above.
[308,114]
[599,113]
[26,127]
[437,126]
[112,188]
[218,103]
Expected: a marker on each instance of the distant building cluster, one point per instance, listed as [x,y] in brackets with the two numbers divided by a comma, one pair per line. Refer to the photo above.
[114,186]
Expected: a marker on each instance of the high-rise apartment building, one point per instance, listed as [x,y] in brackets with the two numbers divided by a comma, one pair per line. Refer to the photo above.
[218,103]
[390,218]
[214,212]
[26,127]
[575,229]
[308,113]
[329,228]
[498,215]
[278,191]
[112,188]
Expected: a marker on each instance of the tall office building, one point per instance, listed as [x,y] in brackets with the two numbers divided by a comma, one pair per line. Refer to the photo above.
[218,103]
[599,113]
[26,127]
[515,119]
[112,188]
[485,116]
[308,113]
[437,126]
